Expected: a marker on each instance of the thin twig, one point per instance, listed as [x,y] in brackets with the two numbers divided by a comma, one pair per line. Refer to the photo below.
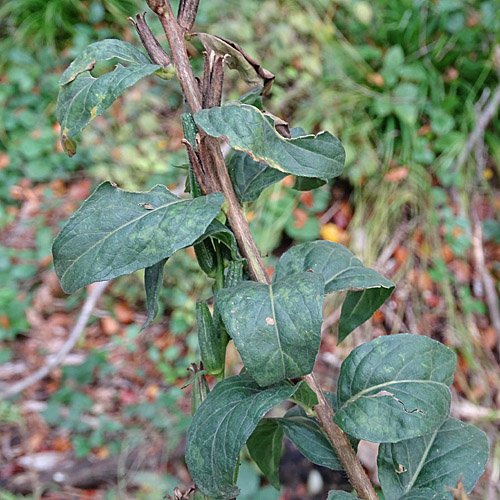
[482,121]
[490,293]
[355,471]
[94,294]
[151,44]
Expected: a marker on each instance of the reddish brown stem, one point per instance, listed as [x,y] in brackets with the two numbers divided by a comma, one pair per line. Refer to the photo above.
[216,164]
[341,445]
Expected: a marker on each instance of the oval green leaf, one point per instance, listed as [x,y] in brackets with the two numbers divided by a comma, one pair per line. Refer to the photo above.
[222,425]
[309,438]
[341,495]
[368,289]
[434,461]
[265,446]
[117,232]
[153,281]
[276,328]
[321,156]
[425,494]
[83,97]
[251,177]
[395,388]
[223,234]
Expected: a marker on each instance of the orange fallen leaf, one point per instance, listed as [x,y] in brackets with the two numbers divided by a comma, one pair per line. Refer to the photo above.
[4,321]
[424,129]
[109,325]
[396,174]
[152,392]
[448,254]
[61,444]
[307,198]
[489,338]
[123,313]
[4,160]
[301,217]
[332,232]
[102,452]
[401,255]
[375,79]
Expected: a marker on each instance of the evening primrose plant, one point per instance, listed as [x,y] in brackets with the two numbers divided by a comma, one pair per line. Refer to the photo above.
[393,390]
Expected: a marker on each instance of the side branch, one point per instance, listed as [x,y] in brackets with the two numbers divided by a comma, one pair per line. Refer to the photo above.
[175,37]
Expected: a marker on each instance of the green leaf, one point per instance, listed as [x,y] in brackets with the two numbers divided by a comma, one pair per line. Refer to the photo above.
[153,281]
[304,396]
[209,340]
[102,51]
[247,129]
[308,436]
[341,495]
[222,425]
[359,306]
[434,461]
[83,97]
[368,290]
[424,494]
[251,177]
[265,446]
[117,232]
[223,234]
[276,328]
[395,388]
[307,183]
[253,97]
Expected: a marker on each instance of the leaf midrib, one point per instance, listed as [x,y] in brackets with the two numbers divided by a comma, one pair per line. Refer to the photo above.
[147,213]
[386,384]
[280,350]
[422,462]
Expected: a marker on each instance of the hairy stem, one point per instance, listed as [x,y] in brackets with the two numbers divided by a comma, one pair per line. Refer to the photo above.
[341,445]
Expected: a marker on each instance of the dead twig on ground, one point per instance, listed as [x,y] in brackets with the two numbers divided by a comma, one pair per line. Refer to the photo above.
[95,293]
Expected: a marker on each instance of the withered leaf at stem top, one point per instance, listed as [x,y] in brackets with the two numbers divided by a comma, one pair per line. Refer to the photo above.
[250,70]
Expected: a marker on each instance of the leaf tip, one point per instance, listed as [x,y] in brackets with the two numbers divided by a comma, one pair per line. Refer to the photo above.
[68,145]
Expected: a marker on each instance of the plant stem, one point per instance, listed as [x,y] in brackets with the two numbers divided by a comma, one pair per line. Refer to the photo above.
[341,445]
[190,88]
[246,243]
